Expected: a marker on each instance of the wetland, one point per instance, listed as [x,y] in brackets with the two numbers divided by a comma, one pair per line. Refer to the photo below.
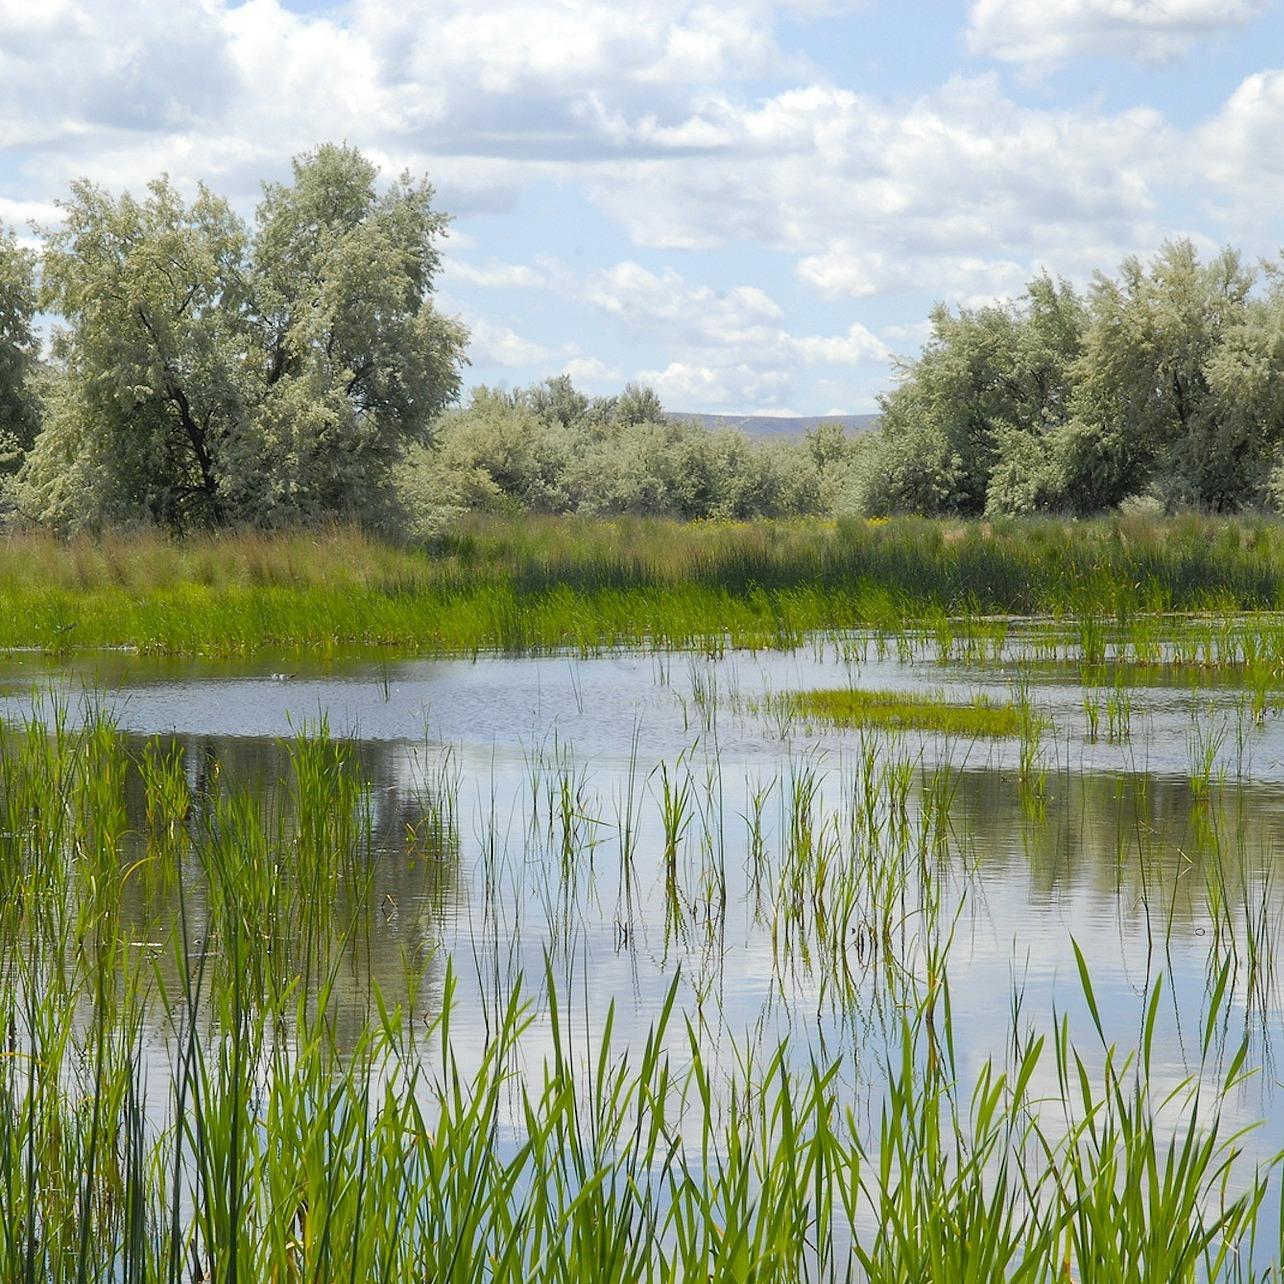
[623,965]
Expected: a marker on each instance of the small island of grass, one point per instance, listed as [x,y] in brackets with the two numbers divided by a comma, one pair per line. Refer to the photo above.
[905,711]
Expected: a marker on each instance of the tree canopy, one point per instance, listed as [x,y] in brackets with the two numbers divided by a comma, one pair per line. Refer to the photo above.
[19,410]
[209,372]
[1164,382]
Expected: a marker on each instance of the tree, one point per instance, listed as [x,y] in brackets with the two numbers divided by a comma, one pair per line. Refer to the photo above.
[1247,377]
[151,356]
[354,363]
[1146,411]
[208,374]
[991,384]
[19,416]
[550,448]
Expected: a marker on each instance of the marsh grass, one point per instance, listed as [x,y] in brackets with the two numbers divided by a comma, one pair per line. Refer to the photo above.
[902,711]
[575,582]
[238,1100]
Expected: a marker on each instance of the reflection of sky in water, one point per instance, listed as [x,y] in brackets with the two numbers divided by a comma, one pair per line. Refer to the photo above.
[1119,858]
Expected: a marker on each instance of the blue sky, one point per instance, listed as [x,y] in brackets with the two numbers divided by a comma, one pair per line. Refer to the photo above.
[749,204]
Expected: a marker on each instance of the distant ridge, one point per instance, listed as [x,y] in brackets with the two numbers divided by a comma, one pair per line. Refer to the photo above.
[779,426]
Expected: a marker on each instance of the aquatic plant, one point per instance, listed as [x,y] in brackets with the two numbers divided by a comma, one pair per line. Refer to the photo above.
[904,711]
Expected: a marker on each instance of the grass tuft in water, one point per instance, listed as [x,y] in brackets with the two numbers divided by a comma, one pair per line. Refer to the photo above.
[899,711]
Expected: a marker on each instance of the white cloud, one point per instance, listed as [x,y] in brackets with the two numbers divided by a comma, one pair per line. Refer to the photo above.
[735,350]
[668,116]
[848,270]
[1239,151]
[1045,33]
[501,346]
[589,372]
[636,102]
[21,214]
[744,320]
[728,390]
[495,275]
[856,346]
[665,305]
[960,186]
[487,97]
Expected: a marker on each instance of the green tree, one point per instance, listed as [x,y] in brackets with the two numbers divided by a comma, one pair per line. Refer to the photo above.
[209,374]
[1247,377]
[1147,410]
[19,416]
[991,385]
[353,363]
[151,353]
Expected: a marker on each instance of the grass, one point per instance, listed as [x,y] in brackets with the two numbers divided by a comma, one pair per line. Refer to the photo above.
[211,1072]
[541,583]
[305,1123]
[900,711]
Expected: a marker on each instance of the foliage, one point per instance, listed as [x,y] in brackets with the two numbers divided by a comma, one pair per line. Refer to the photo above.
[903,711]
[1166,380]
[209,374]
[1147,413]
[551,449]
[19,415]
[537,583]
[991,386]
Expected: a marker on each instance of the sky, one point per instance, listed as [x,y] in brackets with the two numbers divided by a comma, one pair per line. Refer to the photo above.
[749,205]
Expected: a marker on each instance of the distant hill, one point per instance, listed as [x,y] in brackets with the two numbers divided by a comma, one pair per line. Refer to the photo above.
[778,426]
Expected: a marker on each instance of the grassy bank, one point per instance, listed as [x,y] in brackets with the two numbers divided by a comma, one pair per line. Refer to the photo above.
[529,584]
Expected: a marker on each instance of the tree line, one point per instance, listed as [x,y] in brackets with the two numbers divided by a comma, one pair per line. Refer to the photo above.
[205,371]
[1162,384]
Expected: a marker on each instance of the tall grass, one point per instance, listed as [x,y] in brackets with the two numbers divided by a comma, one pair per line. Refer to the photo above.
[536,583]
[199,1081]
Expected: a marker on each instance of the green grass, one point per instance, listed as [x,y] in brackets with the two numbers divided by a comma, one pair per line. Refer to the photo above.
[304,1124]
[542,583]
[899,711]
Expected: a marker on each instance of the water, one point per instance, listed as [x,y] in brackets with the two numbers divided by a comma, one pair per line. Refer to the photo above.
[1154,851]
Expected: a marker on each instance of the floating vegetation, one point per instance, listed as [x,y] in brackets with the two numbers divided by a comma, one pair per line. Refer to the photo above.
[905,711]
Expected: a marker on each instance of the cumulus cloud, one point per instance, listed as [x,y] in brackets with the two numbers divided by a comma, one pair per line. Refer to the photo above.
[1045,33]
[23,214]
[673,118]
[502,346]
[491,94]
[718,390]
[496,275]
[847,269]
[744,321]
[637,103]
[589,372]
[1239,152]
[736,351]
[962,187]
[666,305]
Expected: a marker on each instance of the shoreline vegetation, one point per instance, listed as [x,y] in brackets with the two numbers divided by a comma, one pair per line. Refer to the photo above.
[209,372]
[526,584]
[307,1121]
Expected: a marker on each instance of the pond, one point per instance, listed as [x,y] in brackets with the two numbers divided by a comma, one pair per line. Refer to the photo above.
[612,826]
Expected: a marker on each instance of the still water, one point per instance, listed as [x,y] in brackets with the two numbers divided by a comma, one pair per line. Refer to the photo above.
[1155,849]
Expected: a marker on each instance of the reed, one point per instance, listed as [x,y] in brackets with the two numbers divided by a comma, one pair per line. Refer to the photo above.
[541,583]
[902,711]
[203,1079]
